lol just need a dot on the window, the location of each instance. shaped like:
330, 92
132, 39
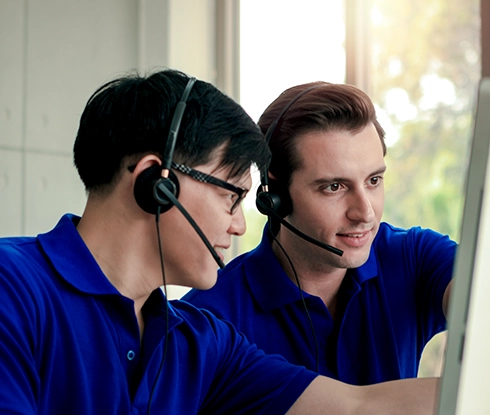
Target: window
421, 70
282, 45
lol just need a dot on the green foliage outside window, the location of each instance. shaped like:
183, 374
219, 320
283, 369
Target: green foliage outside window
426, 53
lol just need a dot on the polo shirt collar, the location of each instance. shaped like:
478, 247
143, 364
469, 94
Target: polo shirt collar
270, 285
367, 270
72, 259
75, 264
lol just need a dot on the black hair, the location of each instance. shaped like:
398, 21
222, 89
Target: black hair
130, 117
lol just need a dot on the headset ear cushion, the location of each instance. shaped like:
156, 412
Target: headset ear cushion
145, 192
280, 194
267, 202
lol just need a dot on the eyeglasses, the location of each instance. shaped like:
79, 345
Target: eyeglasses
240, 193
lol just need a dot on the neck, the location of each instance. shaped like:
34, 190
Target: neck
125, 248
316, 277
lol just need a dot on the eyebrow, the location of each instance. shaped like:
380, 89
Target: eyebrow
242, 186
324, 180
236, 181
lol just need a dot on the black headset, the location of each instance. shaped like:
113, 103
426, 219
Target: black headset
273, 199
148, 189
274, 196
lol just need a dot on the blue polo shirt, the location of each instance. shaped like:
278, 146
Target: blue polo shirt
70, 344
388, 309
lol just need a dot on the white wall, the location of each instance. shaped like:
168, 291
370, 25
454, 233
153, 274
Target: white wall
53, 55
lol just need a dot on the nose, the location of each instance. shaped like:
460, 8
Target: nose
361, 208
238, 225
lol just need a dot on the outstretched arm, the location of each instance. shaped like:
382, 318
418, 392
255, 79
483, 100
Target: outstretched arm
325, 396
446, 298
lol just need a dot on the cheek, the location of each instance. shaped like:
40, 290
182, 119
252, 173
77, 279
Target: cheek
316, 212
378, 203
210, 216
196, 204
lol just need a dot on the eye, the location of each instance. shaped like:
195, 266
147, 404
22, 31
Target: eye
332, 187
236, 201
376, 180
232, 199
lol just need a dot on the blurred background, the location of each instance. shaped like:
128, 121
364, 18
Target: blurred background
419, 60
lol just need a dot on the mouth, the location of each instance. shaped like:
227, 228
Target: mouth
355, 239
353, 235
220, 251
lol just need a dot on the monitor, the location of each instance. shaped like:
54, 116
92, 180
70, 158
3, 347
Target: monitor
463, 387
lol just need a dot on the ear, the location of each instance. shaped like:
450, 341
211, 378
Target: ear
145, 174
144, 163
271, 176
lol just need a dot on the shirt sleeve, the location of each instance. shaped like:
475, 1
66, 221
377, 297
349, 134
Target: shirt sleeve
18, 368
417, 266
434, 269
244, 379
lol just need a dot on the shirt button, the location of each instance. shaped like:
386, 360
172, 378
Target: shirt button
131, 355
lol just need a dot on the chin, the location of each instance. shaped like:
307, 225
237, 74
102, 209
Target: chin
204, 280
356, 261
203, 285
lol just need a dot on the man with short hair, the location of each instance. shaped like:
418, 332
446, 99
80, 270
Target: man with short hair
84, 325
364, 316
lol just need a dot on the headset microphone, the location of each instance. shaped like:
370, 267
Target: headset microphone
296, 231
160, 187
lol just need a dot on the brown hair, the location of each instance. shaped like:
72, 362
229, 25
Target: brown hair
324, 107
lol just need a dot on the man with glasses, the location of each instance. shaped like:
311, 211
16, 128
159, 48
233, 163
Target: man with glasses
84, 325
